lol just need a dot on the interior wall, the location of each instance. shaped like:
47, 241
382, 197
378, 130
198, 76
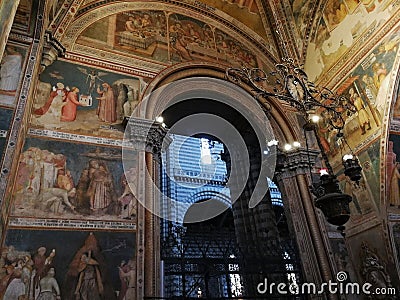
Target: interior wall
355, 46
361, 63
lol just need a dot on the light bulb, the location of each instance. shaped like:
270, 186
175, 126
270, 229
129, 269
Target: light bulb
323, 172
315, 118
287, 147
347, 157
272, 143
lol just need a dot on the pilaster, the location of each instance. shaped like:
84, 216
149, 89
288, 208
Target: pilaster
294, 184
147, 137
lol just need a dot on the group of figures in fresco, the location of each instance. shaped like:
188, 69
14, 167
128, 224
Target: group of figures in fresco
45, 183
173, 37
366, 89
114, 102
32, 276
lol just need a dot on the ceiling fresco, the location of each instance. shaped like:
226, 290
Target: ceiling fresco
344, 24
165, 37
245, 11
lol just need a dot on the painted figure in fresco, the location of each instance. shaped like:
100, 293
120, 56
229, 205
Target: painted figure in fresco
123, 268
64, 180
131, 103
127, 274
129, 25
335, 12
90, 286
10, 70
127, 199
101, 189
91, 78
68, 113
39, 264
82, 197
106, 110
396, 108
49, 289
16, 287
380, 73
146, 21
87, 278
361, 203
122, 99
6, 279
178, 43
54, 200
394, 196
39, 170
16, 278
362, 114
55, 102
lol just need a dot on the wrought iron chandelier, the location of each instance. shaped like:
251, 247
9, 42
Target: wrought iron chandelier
289, 83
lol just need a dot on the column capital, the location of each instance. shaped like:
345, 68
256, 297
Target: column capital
146, 135
299, 162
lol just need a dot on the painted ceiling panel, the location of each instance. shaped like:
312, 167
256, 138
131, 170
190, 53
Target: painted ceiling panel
165, 37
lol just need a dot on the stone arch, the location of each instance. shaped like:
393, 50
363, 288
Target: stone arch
206, 195
158, 96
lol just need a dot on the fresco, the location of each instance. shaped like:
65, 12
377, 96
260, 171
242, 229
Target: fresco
393, 173
366, 87
368, 253
84, 100
396, 239
245, 11
33, 259
72, 181
342, 259
396, 107
342, 23
167, 38
365, 197
11, 68
301, 9
5, 119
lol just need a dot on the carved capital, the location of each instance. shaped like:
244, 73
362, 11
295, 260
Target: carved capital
299, 162
146, 135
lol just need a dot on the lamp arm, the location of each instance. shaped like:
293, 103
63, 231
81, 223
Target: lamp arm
323, 153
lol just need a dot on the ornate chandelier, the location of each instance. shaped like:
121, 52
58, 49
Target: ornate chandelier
290, 84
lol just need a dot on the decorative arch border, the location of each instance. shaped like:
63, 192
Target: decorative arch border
207, 194
391, 98
284, 124
68, 36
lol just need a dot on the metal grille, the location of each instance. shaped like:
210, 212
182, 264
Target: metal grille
205, 261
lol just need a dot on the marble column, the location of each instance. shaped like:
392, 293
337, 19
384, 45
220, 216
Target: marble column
256, 230
147, 137
292, 176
